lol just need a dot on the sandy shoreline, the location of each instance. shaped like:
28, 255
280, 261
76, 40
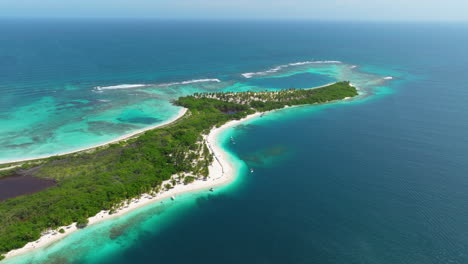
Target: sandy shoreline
220, 172
180, 114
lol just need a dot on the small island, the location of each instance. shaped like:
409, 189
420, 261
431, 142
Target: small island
157, 164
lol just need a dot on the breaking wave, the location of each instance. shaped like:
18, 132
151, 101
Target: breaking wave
133, 86
189, 82
278, 68
120, 86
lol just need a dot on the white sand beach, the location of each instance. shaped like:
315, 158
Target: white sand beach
220, 172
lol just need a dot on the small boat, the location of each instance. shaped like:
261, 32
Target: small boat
251, 170
211, 189
172, 197
232, 140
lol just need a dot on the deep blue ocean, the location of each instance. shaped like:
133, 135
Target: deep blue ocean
381, 179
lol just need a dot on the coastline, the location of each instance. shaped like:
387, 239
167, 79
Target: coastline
179, 115
221, 172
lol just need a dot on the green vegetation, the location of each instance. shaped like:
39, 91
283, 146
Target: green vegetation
5, 173
189, 179
82, 222
104, 179
265, 101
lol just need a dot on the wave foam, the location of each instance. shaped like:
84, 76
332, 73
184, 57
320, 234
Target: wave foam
278, 68
132, 86
120, 86
190, 82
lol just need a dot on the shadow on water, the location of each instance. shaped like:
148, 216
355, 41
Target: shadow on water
206, 200
244, 127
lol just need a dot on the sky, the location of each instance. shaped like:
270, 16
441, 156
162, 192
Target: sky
384, 10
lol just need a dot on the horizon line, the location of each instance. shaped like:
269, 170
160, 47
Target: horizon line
229, 19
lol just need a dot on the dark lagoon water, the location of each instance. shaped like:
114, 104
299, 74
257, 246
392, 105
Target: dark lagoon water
11, 187
381, 179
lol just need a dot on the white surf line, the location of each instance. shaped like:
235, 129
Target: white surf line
120, 86
138, 85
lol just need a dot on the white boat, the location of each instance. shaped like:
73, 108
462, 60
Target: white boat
251, 170
172, 197
211, 189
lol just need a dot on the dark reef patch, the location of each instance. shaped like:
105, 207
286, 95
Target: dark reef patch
14, 146
104, 127
140, 120
244, 127
266, 156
